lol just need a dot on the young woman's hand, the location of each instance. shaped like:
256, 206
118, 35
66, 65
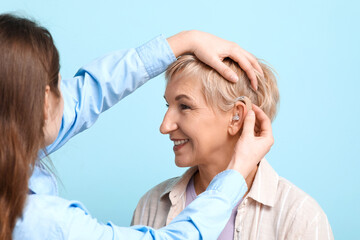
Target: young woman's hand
252, 145
212, 50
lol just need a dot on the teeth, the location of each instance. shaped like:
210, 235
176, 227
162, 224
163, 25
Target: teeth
179, 142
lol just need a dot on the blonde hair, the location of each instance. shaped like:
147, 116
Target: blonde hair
222, 94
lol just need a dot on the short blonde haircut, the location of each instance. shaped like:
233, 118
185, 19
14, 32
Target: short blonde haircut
221, 93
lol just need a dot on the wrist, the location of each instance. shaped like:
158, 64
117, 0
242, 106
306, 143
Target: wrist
240, 166
183, 42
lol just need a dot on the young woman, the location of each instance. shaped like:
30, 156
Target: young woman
204, 120
38, 109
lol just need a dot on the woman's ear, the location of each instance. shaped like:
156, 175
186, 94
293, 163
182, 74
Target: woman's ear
47, 103
237, 118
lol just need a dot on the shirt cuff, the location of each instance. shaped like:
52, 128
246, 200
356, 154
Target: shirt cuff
231, 183
156, 55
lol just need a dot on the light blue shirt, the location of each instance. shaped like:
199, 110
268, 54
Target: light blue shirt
95, 88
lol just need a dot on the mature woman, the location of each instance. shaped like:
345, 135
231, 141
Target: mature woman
204, 120
37, 109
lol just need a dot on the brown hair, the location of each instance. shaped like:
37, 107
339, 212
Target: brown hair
29, 61
222, 94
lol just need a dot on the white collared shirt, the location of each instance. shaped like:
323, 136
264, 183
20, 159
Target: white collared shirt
273, 209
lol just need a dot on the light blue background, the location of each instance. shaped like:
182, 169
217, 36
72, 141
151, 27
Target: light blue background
314, 47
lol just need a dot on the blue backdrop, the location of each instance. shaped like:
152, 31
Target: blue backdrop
314, 47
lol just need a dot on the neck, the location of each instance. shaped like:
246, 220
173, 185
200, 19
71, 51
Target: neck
206, 172
203, 178
212, 167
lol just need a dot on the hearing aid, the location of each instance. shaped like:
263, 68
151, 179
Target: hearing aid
246, 101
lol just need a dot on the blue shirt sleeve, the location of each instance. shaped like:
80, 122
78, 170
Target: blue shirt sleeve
51, 217
99, 85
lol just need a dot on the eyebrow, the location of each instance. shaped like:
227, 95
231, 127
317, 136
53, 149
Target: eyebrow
178, 97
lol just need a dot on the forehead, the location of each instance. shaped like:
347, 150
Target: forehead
184, 84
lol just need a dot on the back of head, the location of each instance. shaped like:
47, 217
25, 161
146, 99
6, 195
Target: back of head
220, 93
29, 61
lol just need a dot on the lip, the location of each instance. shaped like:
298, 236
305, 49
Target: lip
178, 147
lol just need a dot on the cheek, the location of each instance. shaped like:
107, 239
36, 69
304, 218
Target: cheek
207, 137
203, 148
210, 139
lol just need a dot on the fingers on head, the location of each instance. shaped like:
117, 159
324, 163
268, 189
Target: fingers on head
226, 72
246, 64
252, 59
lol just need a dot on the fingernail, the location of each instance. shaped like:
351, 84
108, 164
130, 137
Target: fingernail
254, 89
251, 112
234, 78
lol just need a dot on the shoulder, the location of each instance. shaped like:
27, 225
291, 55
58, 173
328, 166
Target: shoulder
299, 212
293, 197
281, 195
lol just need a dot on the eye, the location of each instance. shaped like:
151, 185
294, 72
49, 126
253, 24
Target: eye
184, 107
167, 105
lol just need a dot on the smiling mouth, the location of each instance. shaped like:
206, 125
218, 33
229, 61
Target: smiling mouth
179, 144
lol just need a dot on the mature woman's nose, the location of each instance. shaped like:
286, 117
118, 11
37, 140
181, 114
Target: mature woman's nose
167, 125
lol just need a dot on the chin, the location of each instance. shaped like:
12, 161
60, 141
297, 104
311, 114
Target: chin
182, 163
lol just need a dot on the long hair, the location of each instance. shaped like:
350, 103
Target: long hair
29, 61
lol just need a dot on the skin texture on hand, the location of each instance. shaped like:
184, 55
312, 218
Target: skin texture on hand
212, 50
252, 145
